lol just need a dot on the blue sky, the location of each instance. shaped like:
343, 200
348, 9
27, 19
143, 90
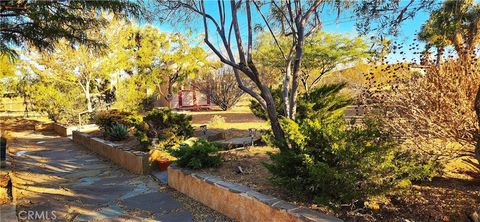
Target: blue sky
344, 24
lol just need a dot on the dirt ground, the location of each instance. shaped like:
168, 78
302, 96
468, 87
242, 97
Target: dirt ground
451, 198
202, 118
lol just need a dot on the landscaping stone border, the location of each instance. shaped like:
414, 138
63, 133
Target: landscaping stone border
134, 161
237, 201
65, 131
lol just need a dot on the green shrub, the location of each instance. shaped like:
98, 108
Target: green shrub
258, 111
140, 132
168, 127
200, 154
117, 132
329, 161
323, 100
148, 103
107, 119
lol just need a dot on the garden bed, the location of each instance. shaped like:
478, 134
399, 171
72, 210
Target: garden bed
63, 130
451, 198
128, 154
132, 160
236, 201
129, 143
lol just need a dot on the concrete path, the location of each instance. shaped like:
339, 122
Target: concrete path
57, 179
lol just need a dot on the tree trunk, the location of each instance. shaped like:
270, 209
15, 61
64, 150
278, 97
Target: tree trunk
297, 63
88, 96
25, 104
286, 84
277, 130
169, 96
425, 56
440, 51
464, 53
477, 111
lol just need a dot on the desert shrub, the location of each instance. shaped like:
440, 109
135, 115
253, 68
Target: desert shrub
221, 87
148, 103
142, 137
334, 163
216, 121
325, 100
429, 110
200, 154
117, 132
258, 111
167, 127
107, 119
330, 161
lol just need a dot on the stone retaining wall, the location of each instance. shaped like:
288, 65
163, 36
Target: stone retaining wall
134, 161
67, 130
237, 201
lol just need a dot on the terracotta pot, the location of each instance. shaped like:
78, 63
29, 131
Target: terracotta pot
163, 164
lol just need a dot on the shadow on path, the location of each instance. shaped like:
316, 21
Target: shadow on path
60, 180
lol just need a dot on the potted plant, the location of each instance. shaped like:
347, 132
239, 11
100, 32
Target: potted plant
163, 159
163, 163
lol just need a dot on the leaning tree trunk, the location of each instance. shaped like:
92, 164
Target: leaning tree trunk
477, 111
272, 113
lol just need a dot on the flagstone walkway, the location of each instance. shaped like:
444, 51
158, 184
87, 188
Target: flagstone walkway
60, 179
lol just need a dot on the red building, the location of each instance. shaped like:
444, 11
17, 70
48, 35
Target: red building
187, 99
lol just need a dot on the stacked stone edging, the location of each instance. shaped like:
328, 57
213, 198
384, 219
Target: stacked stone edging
237, 201
134, 161
61, 129
65, 131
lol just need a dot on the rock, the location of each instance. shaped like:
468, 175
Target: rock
155, 201
240, 170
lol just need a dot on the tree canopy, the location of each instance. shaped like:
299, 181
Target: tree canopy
323, 53
292, 19
42, 23
456, 23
